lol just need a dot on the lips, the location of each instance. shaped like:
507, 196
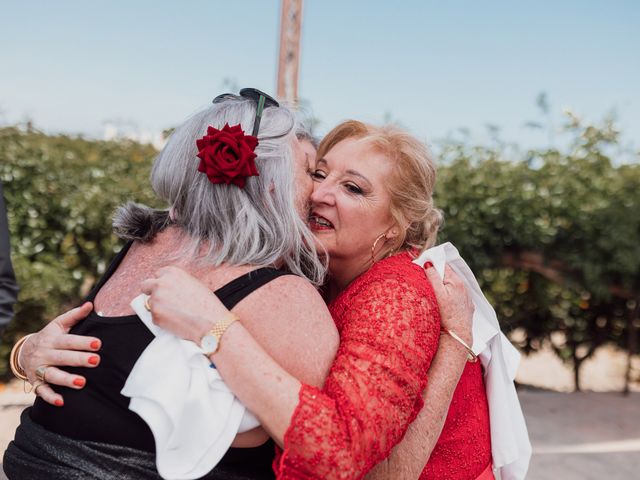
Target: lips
318, 222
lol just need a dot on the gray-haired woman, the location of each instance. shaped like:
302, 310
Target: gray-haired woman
235, 226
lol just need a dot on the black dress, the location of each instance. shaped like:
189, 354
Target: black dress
95, 435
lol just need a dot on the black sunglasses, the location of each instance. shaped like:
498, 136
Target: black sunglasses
262, 100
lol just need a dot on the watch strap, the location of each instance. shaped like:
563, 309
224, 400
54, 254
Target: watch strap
220, 328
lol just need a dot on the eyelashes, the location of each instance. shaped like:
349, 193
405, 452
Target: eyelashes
317, 174
352, 188
356, 190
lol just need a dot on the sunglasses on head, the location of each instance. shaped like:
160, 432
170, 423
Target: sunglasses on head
262, 101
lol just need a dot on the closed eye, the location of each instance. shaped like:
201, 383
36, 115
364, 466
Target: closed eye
318, 175
353, 188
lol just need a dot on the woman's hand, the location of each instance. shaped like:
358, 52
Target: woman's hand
456, 307
53, 345
182, 304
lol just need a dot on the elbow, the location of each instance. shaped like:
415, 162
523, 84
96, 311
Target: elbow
325, 355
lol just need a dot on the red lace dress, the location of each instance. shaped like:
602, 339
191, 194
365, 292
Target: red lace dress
389, 325
463, 450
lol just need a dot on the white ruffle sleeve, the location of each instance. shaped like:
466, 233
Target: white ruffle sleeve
191, 412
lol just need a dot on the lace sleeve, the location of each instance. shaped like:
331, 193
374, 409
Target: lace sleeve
373, 391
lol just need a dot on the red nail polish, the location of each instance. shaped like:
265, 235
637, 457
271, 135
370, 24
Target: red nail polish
427, 265
94, 359
95, 345
79, 382
59, 403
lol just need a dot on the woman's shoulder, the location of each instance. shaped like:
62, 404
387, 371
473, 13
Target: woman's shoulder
288, 317
392, 298
400, 263
395, 278
395, 272
290, 299
293, 290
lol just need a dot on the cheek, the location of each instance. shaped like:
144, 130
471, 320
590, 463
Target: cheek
304, 188
304, 183
367, 222
308, 186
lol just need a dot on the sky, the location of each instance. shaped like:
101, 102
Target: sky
84, 67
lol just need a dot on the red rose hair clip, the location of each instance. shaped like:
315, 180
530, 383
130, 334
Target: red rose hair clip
227, 155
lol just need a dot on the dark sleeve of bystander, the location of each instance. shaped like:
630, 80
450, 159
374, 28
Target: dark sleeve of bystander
8, 285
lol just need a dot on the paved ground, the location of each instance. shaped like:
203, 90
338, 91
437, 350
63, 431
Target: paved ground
583, 436
576, 436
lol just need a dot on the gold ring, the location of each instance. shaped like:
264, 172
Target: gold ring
37, 385
32, 386
147, 303
41, 371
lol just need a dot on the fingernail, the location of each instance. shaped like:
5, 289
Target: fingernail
427, 265
58, 403
79, 382
94, 359
95, 345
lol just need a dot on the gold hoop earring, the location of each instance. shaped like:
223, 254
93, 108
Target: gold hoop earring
373, 248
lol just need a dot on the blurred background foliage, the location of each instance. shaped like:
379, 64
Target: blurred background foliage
553, 235
61, 192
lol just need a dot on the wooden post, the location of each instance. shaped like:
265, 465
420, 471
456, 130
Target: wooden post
289, 59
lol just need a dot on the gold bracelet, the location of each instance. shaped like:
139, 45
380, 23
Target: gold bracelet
13, 359
471, 357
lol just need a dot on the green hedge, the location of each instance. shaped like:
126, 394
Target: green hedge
553, 236
61, 192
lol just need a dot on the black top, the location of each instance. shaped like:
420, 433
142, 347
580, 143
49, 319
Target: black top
98, 412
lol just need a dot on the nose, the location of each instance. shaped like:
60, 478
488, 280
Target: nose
323, 193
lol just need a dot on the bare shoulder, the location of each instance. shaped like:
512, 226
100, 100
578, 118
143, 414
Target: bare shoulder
289, 318
293, 292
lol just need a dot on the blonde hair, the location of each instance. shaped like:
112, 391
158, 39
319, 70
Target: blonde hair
411, 183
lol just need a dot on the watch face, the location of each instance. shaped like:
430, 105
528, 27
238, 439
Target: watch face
209, 344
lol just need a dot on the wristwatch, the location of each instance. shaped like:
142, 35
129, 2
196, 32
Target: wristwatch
210, 341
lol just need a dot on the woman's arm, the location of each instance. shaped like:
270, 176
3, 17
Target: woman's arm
54, 345
409, 457
286, 337
389, 337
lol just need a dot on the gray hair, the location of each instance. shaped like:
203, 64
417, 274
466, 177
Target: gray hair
255, 225
303, 133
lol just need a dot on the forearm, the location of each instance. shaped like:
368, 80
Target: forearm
263, 359
409, 457
265, 388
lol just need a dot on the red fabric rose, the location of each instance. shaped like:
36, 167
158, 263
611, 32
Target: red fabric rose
227, 155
